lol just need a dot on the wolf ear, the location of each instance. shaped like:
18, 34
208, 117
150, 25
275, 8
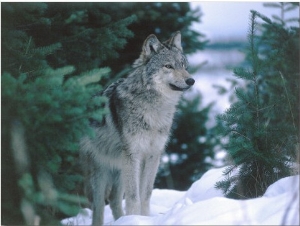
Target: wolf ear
151, 44
175, 41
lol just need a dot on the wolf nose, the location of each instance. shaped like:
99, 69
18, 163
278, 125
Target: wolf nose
190, 81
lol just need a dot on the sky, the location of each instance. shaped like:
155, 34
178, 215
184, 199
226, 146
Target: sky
230, 20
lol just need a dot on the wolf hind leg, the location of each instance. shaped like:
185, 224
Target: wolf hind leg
115, 198
147, 178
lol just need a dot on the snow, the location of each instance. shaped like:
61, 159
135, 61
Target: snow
202, 204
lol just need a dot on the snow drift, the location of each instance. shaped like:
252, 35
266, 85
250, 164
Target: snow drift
202, 204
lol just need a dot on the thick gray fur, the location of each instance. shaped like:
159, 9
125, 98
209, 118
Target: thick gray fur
123, 158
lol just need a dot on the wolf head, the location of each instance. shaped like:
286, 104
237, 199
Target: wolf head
165, 63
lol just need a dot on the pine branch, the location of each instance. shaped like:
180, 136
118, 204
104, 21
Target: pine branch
26, 51
92, 76
287, 96
254, 59
46, 50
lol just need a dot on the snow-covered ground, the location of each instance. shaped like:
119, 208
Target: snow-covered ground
202, 204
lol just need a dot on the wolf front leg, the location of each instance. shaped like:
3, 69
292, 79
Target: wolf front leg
99, 182
131, 181
147, 178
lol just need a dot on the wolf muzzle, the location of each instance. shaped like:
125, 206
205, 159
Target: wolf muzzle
189, 82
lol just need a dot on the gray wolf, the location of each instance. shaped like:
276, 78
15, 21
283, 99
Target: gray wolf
123, 157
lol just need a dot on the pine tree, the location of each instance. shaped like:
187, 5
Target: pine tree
45, 112
263, 124
52, 121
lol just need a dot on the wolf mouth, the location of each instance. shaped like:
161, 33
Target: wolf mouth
176, 88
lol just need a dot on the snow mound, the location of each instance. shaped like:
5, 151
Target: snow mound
202, 204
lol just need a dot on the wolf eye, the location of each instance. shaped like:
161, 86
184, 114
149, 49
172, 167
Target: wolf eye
169, 66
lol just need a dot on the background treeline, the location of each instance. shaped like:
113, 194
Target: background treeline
55, 57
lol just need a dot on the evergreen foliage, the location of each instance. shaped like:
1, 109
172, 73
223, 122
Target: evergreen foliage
83, 33
55, 57
53, 122
263, 124
45, 112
